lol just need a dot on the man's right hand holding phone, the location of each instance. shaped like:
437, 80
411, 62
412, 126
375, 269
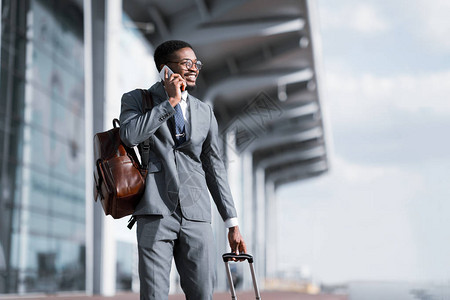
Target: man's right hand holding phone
174, 85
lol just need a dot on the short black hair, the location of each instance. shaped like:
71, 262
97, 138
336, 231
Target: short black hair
164, 51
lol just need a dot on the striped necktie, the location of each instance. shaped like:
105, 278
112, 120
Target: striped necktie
180, 133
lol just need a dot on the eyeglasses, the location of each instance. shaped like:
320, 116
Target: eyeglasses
189, 64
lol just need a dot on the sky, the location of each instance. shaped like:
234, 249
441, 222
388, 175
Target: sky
382, 212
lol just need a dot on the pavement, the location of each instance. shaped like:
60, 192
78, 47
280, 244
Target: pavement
265, 295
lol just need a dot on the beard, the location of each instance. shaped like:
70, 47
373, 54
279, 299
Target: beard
191, 88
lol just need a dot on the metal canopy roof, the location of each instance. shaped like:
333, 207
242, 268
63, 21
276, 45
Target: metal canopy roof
248, 48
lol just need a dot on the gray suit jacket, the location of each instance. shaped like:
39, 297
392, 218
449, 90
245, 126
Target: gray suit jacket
177, 174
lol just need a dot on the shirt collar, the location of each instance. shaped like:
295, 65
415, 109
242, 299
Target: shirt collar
184, 95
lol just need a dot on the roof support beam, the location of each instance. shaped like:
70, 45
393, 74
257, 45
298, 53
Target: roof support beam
273, 141
286, 114
297, 171
161, 25
240, 84
231, 32
293, 156
203, 9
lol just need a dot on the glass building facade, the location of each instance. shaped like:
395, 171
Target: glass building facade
44, 231
42, 213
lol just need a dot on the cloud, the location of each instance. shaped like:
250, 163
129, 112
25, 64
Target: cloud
354, 184
352, 98
399, 119
435, 21
356, 218
362, 18
358, 187
366, 19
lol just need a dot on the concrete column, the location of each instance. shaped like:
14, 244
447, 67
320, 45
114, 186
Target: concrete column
88, 125
1, 26
113, 84
103, 242
260, 224
247, 218
271, 230
106, 286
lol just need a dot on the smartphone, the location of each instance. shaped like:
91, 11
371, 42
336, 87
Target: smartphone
163, 72
169, 73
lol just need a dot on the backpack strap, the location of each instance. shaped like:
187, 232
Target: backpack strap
147, 104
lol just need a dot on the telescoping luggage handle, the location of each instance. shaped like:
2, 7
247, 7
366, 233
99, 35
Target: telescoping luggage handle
230, 256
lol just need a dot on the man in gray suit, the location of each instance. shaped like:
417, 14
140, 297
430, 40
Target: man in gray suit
174, 215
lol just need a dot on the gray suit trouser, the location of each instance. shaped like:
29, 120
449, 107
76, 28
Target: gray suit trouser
190, 243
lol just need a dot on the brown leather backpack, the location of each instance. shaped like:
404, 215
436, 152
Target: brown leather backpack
119, 178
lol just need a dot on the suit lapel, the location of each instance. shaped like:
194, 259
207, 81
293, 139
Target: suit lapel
193, 110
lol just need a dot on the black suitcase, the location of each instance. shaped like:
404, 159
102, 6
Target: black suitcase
229, 256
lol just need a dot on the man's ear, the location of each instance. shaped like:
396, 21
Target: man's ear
160, 67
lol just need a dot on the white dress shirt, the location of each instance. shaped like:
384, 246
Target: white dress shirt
185, 109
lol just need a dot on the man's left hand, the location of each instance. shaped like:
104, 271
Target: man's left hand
236, 241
